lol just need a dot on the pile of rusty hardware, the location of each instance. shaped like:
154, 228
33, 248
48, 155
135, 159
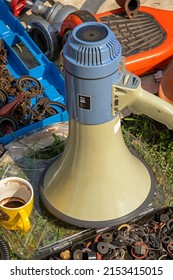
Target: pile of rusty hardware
22, 100
148, 239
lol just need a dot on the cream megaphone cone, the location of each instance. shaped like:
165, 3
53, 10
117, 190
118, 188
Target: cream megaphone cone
97, 181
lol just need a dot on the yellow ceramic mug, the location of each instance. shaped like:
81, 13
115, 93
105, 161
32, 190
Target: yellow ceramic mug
16, 203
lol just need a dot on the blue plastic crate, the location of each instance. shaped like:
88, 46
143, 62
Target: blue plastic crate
16, 41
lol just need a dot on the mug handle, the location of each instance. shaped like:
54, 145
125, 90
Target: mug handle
25, 221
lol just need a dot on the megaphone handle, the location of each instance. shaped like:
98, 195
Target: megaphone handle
153, 107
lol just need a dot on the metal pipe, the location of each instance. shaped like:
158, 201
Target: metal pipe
130, 6
45, 32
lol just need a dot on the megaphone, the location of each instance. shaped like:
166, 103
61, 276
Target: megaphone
98, 181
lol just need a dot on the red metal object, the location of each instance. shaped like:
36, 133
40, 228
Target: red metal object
145, 61
17, 7
5, 110
73, 20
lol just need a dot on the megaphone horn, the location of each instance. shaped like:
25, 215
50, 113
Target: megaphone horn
97, 181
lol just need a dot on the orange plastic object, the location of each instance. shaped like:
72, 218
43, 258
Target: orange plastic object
146, 61
166, 85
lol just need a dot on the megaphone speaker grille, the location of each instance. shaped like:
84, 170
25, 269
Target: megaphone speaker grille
92, 33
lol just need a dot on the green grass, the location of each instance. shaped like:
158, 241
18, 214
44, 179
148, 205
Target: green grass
156, 137
48, 152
